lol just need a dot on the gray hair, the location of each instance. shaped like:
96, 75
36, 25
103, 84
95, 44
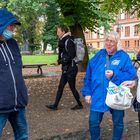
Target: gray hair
117, 38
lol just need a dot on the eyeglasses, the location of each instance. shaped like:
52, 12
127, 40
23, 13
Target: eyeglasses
111, 41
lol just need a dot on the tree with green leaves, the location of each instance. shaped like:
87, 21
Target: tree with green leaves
3, 3
80, 15
29, 13
52, 20
118, 6
115, 6
133, 6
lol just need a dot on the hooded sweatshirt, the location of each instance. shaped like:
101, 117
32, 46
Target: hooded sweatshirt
13, 92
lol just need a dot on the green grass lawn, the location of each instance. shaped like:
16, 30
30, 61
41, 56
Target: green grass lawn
32, 59
48, 59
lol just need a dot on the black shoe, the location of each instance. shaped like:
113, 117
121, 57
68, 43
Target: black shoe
77, 107
52, 107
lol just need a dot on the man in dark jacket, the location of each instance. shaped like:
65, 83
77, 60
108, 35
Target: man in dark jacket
67, 53
13, 92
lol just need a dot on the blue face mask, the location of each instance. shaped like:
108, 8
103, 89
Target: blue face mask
7, 34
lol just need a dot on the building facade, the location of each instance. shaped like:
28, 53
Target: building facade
128, 28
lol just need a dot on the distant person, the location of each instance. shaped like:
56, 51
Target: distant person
13, 92
138, 55
109, 64
69, 68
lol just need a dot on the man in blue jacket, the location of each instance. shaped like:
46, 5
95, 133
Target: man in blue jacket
13, 92
108, 64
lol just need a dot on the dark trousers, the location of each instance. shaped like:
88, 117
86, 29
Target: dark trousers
71, 79
139, 121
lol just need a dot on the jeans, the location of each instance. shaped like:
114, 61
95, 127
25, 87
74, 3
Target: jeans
18, 122
95, 120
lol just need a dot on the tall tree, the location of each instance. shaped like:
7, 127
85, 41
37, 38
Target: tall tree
84, 14
115, 6
29, 13
52, 20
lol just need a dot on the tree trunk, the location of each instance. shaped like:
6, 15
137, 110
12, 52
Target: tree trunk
77, 31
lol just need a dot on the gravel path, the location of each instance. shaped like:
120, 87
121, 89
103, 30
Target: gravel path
44, 123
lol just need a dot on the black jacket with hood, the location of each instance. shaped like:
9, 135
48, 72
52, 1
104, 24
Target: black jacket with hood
66, 54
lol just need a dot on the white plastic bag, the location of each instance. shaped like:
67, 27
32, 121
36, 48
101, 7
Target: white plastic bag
118, 97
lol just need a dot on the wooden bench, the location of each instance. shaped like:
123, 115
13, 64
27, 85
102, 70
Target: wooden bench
38, 66
136, 62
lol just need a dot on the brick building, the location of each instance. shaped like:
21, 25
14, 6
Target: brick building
126, 26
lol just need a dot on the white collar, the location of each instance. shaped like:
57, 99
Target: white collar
66, 34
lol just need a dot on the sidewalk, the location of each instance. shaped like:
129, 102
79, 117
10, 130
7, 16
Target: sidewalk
63, 124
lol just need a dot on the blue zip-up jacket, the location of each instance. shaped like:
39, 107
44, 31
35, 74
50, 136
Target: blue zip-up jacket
95, 81
13, 92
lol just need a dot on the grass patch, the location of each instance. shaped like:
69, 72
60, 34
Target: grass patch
33, 59
49, 58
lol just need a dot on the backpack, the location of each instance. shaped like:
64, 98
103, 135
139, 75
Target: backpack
80, 50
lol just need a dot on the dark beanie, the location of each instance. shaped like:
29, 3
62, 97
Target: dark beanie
7, 18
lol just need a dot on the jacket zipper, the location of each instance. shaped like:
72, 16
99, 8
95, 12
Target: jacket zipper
12, 74
3, 55
10, 53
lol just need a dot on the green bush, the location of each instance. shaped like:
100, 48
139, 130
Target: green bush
92, 50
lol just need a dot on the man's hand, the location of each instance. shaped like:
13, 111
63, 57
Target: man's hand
88, 99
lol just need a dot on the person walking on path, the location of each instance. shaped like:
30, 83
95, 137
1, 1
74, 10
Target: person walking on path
13, 92
109, 64
66, 57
